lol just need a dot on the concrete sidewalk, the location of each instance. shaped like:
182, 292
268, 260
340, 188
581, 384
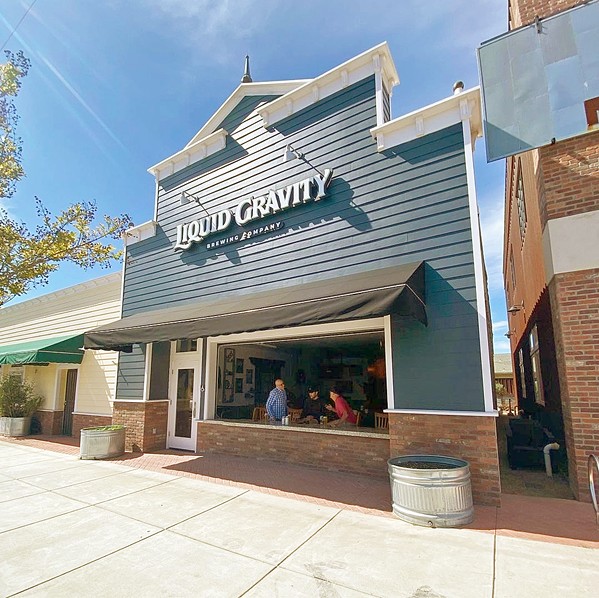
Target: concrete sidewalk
127, 528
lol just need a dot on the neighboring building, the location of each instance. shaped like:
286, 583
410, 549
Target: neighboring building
41, 341
304, 234
551, 247
504, 376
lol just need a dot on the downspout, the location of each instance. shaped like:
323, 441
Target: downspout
553, 446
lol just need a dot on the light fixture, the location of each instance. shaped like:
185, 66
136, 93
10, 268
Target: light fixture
185, 198
514, 309
291, 153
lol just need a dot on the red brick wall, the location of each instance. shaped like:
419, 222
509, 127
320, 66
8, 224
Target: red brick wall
465, 437
334, 452
525, 11
50, 422
146, 424
575, 304
570, 177
87, 421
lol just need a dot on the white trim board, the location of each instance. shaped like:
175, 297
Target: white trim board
444, 413
376, 61
435, 117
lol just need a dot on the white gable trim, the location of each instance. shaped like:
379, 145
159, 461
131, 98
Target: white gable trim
140, 232
190, 154
376, 61
207, 140
266, 88
429, 119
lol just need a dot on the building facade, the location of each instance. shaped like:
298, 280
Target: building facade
551, 272
304, 234
41, 342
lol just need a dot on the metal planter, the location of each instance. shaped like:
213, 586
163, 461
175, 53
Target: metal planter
431, 490
101, 444
15, 426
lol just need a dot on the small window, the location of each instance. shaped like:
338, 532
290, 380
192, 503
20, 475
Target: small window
591, 109
187, 345
512, 270
535, 359
522, 375
521, 202
17, 371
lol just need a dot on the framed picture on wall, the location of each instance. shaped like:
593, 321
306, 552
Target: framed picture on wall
238, 385
249, 376
239, 366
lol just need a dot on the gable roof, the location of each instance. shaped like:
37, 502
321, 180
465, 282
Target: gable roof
291, 97
210, 138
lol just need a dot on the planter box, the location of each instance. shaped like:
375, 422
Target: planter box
15, 426
101, 444
431, 490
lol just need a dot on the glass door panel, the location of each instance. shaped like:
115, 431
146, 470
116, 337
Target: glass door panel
184, 395
184, 402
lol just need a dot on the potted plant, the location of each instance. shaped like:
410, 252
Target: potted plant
102, 442
18, 402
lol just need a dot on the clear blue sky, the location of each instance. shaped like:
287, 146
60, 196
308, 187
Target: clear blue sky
118, 85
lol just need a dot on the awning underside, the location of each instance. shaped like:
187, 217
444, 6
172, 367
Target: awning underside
62, 349
397, 291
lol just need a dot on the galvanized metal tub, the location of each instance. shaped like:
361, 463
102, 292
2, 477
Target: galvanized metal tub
431, 490
101, 444
15, 426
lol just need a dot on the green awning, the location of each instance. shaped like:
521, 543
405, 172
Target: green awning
60, 349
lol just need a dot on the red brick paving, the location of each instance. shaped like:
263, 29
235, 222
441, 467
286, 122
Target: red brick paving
543, 519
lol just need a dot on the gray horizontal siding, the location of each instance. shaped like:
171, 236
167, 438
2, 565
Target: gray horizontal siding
383, 209
130, 378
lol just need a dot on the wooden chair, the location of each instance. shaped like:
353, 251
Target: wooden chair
259, 414
381, 420
294, 414
358, 415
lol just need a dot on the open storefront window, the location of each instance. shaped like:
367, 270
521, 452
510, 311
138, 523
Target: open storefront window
352, 362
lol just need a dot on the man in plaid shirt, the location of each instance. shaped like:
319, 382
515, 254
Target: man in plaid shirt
276, 404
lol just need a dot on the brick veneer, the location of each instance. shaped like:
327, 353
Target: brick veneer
570, 171
525, 11
146, 423
575, 307
87, 421
331, 451
471, 438
50, 422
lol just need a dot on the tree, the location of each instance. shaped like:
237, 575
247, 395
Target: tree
28, 257
11, 74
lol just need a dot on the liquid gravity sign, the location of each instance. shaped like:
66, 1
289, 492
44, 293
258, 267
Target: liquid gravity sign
251, 209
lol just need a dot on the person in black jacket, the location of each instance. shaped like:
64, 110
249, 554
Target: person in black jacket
313, 406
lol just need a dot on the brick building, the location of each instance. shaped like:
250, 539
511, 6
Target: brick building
551, 273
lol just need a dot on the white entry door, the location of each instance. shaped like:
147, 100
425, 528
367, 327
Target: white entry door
184, 394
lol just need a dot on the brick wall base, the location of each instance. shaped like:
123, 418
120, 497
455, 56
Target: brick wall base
332, 451
575, 312
50, 422
473, 439
87, 421
146, 424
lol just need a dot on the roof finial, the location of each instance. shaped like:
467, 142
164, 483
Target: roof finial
247, 78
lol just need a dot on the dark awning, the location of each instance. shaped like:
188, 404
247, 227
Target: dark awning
398, 290
61, 349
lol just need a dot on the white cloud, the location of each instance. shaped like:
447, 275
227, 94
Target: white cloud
213, 29
499, 326
501, 345
491, 223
